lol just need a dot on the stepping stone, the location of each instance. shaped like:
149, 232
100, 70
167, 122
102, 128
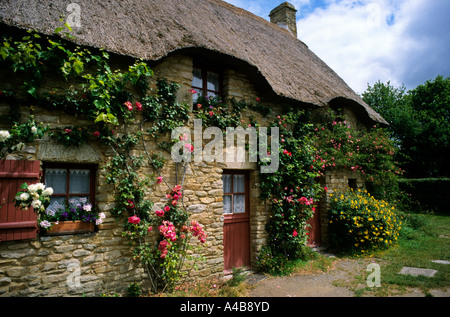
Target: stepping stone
417, 271
441, 261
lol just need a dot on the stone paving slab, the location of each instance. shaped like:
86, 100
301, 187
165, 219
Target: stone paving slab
417, 271
441, 261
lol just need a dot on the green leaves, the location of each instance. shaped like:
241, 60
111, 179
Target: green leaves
419, 123
291, 190
106, 118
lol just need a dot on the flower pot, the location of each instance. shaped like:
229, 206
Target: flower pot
70, 227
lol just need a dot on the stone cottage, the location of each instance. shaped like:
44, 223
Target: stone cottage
207, 45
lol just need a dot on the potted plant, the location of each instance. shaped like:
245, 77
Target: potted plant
54, 218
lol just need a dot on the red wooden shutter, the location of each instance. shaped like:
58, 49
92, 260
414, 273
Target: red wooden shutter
16, 224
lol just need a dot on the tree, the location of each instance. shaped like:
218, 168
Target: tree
431, 102
418, 122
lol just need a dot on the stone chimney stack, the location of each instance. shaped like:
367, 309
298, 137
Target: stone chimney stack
284, 16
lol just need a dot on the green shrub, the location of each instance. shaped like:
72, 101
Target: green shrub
134, 290
427, 194
360, 223
273, 264
279, 263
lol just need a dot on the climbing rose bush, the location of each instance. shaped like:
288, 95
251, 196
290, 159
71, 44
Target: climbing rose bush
291, 191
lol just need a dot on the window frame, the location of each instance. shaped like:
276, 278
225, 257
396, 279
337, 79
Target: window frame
70, 166
246, 192
205, 68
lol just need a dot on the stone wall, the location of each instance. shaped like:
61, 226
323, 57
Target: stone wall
91, 264
70, 265
336, 181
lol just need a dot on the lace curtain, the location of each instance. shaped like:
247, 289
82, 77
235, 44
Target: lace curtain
232, 185
79, 182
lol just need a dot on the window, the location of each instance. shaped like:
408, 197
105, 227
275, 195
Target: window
235, 192
205, 82
70, 182
352, 183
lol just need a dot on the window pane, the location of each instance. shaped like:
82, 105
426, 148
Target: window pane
56, 178
238, 184
79, 181
197, 79
213, 81
226, 178
227, 204
239, 204
211, 94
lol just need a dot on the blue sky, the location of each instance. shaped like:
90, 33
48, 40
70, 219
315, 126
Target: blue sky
401, 41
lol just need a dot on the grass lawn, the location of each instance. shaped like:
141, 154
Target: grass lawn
426, 238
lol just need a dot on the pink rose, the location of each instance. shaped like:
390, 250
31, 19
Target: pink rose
294, 234
167, 208
159, 213
189, 147
138, 106
159, 180
134, 220
129, 105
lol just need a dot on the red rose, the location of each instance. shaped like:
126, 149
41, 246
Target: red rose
129, 105
134, 220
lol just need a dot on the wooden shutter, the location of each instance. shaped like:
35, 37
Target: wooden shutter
16, 224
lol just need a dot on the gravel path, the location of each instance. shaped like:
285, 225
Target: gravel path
314, 285
343, 272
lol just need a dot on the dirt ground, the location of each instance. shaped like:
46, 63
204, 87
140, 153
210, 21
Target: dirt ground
341, 280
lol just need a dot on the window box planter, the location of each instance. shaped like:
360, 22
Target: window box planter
70, 227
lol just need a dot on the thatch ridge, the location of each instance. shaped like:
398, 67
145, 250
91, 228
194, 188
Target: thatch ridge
151, 29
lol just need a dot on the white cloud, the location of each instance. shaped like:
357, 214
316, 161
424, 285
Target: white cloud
369, 40
363, 41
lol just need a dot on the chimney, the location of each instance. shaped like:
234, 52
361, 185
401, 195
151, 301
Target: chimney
284, 16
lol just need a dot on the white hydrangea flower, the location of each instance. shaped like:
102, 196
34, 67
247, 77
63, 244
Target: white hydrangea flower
4, 135
32, 188
48, 191
36, 204
24, 196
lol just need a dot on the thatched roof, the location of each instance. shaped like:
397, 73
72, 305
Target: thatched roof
151, 29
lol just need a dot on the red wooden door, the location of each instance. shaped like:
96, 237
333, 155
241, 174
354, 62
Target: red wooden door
236, 229
16, 224
314, 230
